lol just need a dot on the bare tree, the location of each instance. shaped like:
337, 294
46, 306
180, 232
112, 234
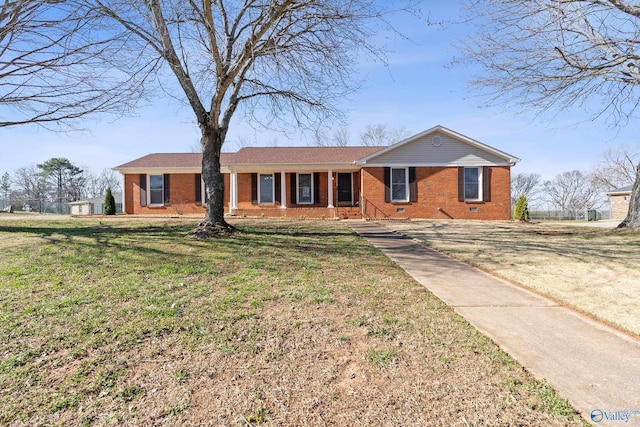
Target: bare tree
555, 54
29, 185
374, 135
195, 147
573, 193
339, 138
96, 185
276, 62
617, 168
244, 141
57, 65
527, 184
381, 134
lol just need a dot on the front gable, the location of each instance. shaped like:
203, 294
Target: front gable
439, 146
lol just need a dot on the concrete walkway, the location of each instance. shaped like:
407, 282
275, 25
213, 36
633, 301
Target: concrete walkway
596, 368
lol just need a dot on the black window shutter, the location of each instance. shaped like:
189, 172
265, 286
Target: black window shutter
461, 184
486, 184
165, 184
254, 188
412, 185
294, 189
198, 186
277, 184
143, 190
316, 188
387, 184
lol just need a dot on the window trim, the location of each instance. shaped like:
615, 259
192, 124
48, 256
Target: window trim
479, 183
273, 189
150, 190
311, 187
406, 185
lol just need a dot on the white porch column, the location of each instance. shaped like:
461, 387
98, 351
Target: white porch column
330, 192
124, 192
283, 190
234, 191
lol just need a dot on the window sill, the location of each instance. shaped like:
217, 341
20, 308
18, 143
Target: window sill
402, 202
475, 202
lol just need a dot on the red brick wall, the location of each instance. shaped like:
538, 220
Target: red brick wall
131, 193
437, 196
182, 196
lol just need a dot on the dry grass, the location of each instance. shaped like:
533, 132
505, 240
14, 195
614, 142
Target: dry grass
594, 270
290, 323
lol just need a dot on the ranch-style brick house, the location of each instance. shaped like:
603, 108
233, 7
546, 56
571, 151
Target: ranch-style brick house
438, 173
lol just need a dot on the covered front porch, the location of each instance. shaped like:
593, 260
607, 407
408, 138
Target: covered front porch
300, 193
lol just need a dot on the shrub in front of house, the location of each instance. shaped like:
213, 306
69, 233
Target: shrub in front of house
109, 203
521, 210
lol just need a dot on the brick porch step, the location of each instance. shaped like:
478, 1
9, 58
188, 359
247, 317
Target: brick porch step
349, 213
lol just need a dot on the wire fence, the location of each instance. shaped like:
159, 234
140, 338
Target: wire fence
43, 206
589, 215
40, 206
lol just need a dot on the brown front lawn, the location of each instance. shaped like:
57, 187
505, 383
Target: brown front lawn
128, 322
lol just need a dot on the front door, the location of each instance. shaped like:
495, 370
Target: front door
345, 189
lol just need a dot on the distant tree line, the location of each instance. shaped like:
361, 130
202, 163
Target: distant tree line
373, 135
56, 181
571, 193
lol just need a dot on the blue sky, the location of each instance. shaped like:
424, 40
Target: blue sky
417, 90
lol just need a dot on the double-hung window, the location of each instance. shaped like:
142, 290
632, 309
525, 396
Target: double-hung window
266, 188
399, 184
305, 188
473, 184
156, 190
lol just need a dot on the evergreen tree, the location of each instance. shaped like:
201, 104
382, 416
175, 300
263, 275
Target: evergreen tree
521, 210
109, 203
66, 179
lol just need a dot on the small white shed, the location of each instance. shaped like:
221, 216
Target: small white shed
94, 206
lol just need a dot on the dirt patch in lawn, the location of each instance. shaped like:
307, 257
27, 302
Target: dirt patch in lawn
594, 270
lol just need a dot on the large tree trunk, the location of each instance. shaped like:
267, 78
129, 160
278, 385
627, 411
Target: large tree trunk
214, 223
633, 217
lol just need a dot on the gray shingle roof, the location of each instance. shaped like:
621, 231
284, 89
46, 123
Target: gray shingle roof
622, 190
165, 160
